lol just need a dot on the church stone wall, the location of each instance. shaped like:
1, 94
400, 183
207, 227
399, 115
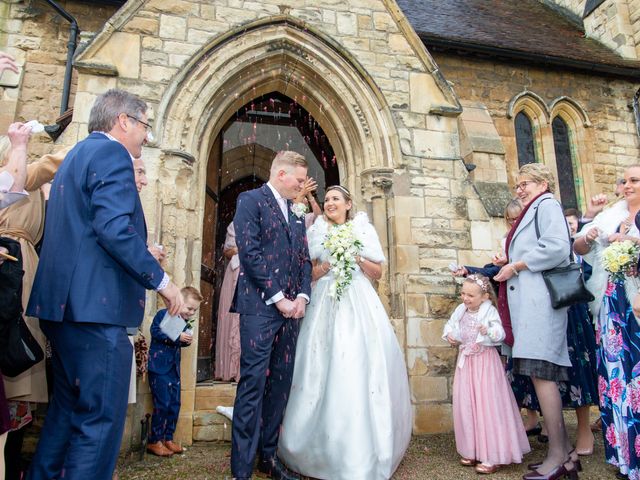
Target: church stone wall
416, 195
613, 24
614, 143
576, 7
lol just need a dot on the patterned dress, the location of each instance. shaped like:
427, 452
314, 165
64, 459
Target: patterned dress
582, 388
618, 336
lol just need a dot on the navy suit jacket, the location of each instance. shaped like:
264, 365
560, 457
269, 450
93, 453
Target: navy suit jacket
94, 264
164, 352
273, 253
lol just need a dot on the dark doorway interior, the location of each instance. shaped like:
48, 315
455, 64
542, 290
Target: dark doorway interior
240, 160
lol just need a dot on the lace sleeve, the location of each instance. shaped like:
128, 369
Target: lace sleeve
366, 233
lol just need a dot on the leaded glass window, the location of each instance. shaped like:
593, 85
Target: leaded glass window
564, 163
524, 140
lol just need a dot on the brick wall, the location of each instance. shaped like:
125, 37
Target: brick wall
37, 36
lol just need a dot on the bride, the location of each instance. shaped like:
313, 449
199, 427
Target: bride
349, 415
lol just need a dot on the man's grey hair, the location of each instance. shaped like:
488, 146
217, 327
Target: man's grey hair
109, 105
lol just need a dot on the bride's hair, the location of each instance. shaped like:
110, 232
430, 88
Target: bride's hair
345, 194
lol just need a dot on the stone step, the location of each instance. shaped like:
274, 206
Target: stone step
212, 395
210, 426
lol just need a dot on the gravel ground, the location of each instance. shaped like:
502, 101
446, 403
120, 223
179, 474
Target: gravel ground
429, 457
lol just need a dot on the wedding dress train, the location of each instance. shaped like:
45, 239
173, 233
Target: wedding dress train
349, 413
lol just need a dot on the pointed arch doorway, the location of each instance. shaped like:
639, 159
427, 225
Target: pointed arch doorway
239, 160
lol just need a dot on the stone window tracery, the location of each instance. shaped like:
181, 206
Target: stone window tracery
558, 135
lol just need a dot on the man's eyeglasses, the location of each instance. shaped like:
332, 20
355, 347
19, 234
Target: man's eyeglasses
147, 126
522, 185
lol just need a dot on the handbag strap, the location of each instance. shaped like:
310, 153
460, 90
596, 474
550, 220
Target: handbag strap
571, 257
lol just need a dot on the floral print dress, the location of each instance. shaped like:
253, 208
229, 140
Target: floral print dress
618, 337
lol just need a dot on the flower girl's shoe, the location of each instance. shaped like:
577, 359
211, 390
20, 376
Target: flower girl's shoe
486, 469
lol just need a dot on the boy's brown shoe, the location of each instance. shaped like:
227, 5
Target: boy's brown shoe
159, 449
174, 447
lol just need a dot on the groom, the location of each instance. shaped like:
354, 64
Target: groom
271, 296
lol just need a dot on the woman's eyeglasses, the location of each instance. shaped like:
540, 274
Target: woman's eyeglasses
522, 185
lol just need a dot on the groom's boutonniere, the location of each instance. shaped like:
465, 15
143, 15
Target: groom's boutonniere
299, 209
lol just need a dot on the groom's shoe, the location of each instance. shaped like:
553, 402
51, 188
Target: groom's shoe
275, 469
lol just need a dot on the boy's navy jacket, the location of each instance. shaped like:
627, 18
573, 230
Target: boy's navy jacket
164, 353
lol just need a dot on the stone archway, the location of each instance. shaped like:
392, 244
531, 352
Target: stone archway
281, 56
271, 56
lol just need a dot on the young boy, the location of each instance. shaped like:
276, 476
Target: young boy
164, 377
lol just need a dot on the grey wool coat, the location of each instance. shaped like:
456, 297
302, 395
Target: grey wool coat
539, 331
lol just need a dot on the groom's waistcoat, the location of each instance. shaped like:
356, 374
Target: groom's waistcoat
273, 253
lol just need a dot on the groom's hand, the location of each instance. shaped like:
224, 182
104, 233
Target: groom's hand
286, 307
301, 305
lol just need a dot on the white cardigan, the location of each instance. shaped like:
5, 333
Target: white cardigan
487, 316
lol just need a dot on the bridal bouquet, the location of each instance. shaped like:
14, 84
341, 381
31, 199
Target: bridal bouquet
619, 257
343, 249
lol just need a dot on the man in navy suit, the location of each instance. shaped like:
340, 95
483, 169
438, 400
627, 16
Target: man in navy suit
89, 287
271, 296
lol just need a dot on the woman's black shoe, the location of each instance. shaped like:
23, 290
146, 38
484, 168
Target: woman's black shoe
542, 438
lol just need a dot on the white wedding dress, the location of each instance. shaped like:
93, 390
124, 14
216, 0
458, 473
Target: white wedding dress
349, 414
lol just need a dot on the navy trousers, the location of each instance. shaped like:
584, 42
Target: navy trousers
268, 350
83, 429
165, 391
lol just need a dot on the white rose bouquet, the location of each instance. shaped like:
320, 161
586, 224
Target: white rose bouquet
619, 257
343, 249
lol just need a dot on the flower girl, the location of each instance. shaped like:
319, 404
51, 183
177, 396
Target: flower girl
487, 423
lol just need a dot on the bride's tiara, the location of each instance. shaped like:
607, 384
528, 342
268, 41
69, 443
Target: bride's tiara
341, 188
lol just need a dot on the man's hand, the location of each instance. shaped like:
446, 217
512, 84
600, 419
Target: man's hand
301, 305
8, 62
186, 338
286, 307
172, 298
157, 252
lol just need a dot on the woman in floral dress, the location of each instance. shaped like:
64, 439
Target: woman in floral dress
617, 331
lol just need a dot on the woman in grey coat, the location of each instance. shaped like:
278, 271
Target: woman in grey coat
539, 331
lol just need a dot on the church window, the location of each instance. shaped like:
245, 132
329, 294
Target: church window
524, 139
564, 163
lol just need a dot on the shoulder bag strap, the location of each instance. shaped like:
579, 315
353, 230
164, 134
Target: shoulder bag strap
565, 224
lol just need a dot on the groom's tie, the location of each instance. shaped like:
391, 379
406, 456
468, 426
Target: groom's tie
284, 208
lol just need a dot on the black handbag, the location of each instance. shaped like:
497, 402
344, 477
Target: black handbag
19, 350
565, 284
22, 352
